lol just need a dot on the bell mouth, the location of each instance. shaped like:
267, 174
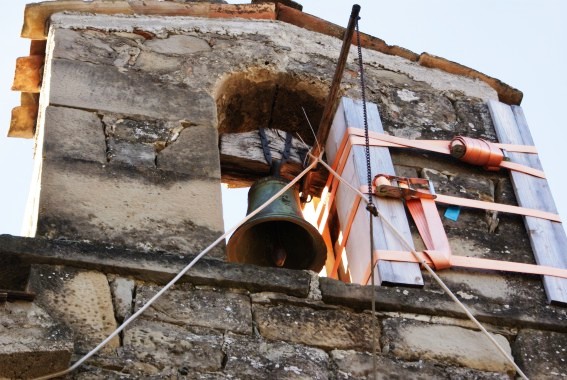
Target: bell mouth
263, 241
277, 236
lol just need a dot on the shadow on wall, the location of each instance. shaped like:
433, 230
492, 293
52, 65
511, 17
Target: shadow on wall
262, 99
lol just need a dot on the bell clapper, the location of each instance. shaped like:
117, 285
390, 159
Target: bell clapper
278, 253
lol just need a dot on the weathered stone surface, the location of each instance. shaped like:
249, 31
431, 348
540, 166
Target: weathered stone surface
327, 329
140, 130
79, 299
157, 63
505, 300
73, 133
157, 348
13, 273
89, 372
90, 45
473, 119
461, 185
139, 155
359, 365
186, 306
147, 209
178, 44
122, 290
154, 267
541, 354
416, 113
84, 85
32, 343
251, 358
412, 340
187, 154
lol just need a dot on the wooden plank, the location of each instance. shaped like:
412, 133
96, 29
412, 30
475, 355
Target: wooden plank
242, 158
547, 238
349, 114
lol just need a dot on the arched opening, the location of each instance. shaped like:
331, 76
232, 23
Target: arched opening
277, 102
254, 99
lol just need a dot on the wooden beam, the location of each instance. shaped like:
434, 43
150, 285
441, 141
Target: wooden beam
242, 158
349, 114
547, 238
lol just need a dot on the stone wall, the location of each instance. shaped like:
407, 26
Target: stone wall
240, 321
131, 110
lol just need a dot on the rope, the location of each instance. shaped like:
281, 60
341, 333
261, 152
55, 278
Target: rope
179, 275
432, 273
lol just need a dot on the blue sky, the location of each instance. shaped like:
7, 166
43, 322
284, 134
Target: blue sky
523, 43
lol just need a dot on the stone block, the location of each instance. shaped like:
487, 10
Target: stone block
251, 358
32, 343
417, 113
105, 88
122, 290
475, 187
157, 63
155, 348
153, 266
194, 152
542, 354
147, 209
84, 45
474, 119
140, 130
89, 372
134, 154
178, 44
327, 329
450, 345
13, 273
186, 306
74, 134
79, 299
359, 365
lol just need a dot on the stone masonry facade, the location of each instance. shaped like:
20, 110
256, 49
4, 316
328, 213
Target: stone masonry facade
131, 110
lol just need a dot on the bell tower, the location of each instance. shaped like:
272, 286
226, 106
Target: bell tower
141, 109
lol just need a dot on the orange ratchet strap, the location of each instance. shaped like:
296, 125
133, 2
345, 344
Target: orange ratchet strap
414, 188
473, 151
431, 258
421, 205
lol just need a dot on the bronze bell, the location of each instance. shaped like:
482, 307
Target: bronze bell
278, 235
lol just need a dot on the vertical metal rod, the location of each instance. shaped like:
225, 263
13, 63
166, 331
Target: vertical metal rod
330, 104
